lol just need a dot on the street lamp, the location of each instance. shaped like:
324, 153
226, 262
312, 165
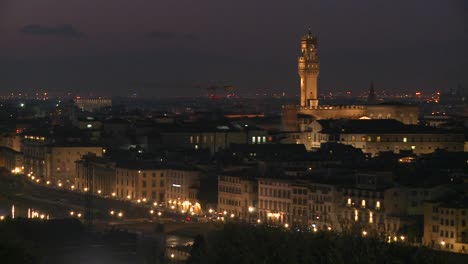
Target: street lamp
85, 189
79, 215
151, 211
114, 194
159, 213
72, 213
112, 212
60, 184
128, 197
364, 233
286, 225
120, 214
99, 191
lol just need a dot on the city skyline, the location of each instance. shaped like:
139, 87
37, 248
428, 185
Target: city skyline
69, 47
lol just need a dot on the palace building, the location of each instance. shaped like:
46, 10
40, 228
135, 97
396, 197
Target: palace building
310, 109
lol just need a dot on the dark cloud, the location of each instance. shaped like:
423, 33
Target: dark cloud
191, 36
161, 35
171, 35
66, 30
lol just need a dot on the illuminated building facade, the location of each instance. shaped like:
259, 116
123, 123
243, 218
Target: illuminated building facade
182, 188
446, 225
140, 181
237, 195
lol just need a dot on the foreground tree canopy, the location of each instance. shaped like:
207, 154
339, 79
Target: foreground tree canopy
247, 244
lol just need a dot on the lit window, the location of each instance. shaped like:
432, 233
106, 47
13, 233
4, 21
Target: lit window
196, 146
356, 215
405, 139
89, 125
264, 139
191, 139
363, 203
371, 217
253, 139
377, 205
413, 147
349, 201
259, 139
378, 139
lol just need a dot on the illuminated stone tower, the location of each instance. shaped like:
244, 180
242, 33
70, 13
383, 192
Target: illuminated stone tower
309, 69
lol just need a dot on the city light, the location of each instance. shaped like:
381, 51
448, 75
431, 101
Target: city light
364, 233
72, 213
79, 215
159, 213
151, 211
112, 212
120, 214
99, 191
286, 225
114, 194
128, 197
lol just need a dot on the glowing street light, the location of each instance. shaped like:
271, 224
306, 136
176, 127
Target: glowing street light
151, 211
155, 204
144, 200
402, 238
128, 197
251, 209
159, 213
99, 191
364, 233
112, 212
259, 221
85, 189
210, 211
47, 182
232, 215
60, 184
72, 213
73, 187
172, 255
114, 194
79, 215
120, 214
286, 225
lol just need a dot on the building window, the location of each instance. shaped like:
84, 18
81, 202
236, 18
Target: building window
378, 139
405, 139
253, 139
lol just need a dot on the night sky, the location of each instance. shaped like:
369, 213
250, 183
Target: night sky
175, 48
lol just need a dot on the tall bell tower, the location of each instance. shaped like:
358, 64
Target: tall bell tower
309, 69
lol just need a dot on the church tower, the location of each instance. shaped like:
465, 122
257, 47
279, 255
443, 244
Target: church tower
309, 68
